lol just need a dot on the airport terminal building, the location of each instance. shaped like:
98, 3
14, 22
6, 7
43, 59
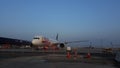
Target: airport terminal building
13, 43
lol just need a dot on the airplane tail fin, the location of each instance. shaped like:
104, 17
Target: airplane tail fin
57, 37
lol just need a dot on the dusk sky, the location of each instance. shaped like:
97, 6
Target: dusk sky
71, 19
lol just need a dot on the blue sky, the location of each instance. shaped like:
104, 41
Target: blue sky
71, 19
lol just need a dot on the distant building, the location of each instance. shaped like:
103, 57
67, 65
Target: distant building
9, 42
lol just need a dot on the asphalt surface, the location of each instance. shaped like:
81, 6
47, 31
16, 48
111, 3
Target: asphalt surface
39, 62
28, 58
31, 52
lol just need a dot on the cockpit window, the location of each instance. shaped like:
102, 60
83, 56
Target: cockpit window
36, 38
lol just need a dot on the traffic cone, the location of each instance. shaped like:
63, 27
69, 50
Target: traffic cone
68, 55
88, 55
75, 54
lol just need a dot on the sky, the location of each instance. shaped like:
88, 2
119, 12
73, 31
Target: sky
71, 19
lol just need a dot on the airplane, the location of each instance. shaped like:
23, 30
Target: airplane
41, 42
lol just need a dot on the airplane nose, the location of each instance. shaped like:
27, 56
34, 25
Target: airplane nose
34, 42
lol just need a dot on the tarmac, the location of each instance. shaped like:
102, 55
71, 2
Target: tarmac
27, 58
41, 61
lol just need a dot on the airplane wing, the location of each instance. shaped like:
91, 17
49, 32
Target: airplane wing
75, 41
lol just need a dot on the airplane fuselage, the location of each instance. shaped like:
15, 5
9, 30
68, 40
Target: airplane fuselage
43, 42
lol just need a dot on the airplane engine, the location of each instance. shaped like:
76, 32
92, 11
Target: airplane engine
62, 45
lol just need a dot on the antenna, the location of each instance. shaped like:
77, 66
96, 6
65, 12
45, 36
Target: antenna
111, 43
57, 37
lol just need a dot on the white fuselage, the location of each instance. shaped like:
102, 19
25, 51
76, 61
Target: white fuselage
40, 41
